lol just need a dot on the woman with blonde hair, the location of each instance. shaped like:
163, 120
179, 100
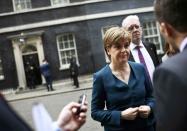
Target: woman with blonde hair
122, 93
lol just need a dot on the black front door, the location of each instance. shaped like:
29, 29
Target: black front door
32, 70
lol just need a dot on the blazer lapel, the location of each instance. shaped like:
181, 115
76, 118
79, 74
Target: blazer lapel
132, 79
150, 49
112, 80
131, 58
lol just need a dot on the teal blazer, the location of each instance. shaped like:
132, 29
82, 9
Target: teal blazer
117, 96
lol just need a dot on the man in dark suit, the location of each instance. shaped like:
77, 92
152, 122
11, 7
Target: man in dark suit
67, 120
147, 49
74, 71
170, 78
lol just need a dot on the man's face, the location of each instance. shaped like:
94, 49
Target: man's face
135, 28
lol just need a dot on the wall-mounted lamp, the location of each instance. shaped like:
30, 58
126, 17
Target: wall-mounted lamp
22, 38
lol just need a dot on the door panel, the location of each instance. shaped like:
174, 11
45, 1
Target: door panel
32, 70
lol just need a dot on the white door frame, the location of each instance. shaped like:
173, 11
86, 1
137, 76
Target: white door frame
36, 40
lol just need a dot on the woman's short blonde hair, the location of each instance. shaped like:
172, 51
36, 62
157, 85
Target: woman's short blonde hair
114, 35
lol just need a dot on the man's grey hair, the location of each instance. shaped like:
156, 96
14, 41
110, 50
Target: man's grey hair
129, 18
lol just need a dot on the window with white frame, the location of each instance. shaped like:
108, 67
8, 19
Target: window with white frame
1, 70
20, 5
66, 49
104, 29
152, 34
59, 2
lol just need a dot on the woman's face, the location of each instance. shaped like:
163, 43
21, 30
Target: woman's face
119, 52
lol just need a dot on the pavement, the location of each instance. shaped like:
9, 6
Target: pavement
61, 86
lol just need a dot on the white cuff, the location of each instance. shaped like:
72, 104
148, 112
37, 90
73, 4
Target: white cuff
56, 127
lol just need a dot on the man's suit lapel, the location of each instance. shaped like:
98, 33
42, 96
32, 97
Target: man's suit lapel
152, 53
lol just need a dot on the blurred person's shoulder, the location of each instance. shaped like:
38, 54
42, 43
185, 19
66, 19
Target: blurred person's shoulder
176, 63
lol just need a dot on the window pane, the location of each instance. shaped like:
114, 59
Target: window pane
18, 7
63, 61
62, 54
55, 2
28, 48
145, 32
22, 4
144, 26
68, 53
60, 39
66, 44
149, 24
150, 32
155, 31
28, 5
58, 2
71, 44
61, 46
65, 38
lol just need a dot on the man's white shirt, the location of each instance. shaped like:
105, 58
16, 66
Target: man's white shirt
147, 57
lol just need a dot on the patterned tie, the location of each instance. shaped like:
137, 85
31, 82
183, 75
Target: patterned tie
141, 58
